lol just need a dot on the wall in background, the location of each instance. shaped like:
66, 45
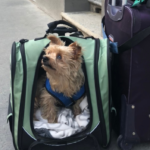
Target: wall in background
55, 7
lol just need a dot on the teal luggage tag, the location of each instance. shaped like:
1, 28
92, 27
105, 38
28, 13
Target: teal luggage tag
137, 2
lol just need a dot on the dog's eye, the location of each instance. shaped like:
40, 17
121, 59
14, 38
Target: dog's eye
58, 56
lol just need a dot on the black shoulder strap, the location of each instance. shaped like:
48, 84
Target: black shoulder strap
136, 39
139, 37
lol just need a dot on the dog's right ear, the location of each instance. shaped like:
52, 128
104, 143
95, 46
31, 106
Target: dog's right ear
55, 40
76, 49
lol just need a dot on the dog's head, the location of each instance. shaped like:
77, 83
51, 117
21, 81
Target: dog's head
60, 59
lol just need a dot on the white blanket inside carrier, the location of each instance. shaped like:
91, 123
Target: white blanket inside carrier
67, 124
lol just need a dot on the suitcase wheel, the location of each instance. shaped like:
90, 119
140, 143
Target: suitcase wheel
123, 144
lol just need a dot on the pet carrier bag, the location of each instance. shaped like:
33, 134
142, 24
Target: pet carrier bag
26, 58
128, 24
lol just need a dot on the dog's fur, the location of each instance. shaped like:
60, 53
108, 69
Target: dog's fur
63, 69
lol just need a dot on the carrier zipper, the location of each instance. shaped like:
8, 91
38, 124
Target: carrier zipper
13, 69
78, 135
22, 103
98, 94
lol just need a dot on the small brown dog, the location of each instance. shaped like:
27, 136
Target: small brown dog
63, 70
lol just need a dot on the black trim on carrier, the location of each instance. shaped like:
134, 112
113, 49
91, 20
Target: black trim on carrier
13, 69
98, 95
10, 111
22, 103
40, 38
79, 136
89, 143
111, 116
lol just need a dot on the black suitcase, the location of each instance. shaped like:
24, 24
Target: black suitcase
130, 28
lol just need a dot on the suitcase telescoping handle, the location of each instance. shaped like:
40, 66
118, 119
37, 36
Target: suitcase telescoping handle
113, 2
61, 30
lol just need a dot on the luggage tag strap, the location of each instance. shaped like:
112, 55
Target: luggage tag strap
137, 2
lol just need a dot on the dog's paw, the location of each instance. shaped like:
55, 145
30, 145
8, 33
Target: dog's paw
52, 120
76, 111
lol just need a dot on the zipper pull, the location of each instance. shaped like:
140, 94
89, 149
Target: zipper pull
22, 41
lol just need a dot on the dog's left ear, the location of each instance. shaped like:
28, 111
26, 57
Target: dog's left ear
77, 50
55, 40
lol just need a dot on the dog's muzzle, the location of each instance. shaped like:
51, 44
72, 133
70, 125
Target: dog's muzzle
45, 59
46, 63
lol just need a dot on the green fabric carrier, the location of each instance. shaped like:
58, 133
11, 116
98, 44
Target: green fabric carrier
26, 58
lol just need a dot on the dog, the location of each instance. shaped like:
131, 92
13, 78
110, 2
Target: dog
63, 67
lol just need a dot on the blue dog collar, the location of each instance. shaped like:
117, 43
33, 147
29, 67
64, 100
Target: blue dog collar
66, 101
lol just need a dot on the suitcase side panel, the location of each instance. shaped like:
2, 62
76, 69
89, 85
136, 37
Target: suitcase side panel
131, 72
140, 79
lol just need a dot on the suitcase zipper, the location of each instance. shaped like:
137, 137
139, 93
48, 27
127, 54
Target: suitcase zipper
98, 94
13, 68
22, 103
78, 135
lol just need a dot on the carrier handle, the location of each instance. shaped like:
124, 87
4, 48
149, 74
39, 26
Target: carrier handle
61, 30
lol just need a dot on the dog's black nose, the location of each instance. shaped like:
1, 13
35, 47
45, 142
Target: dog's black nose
45, 59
